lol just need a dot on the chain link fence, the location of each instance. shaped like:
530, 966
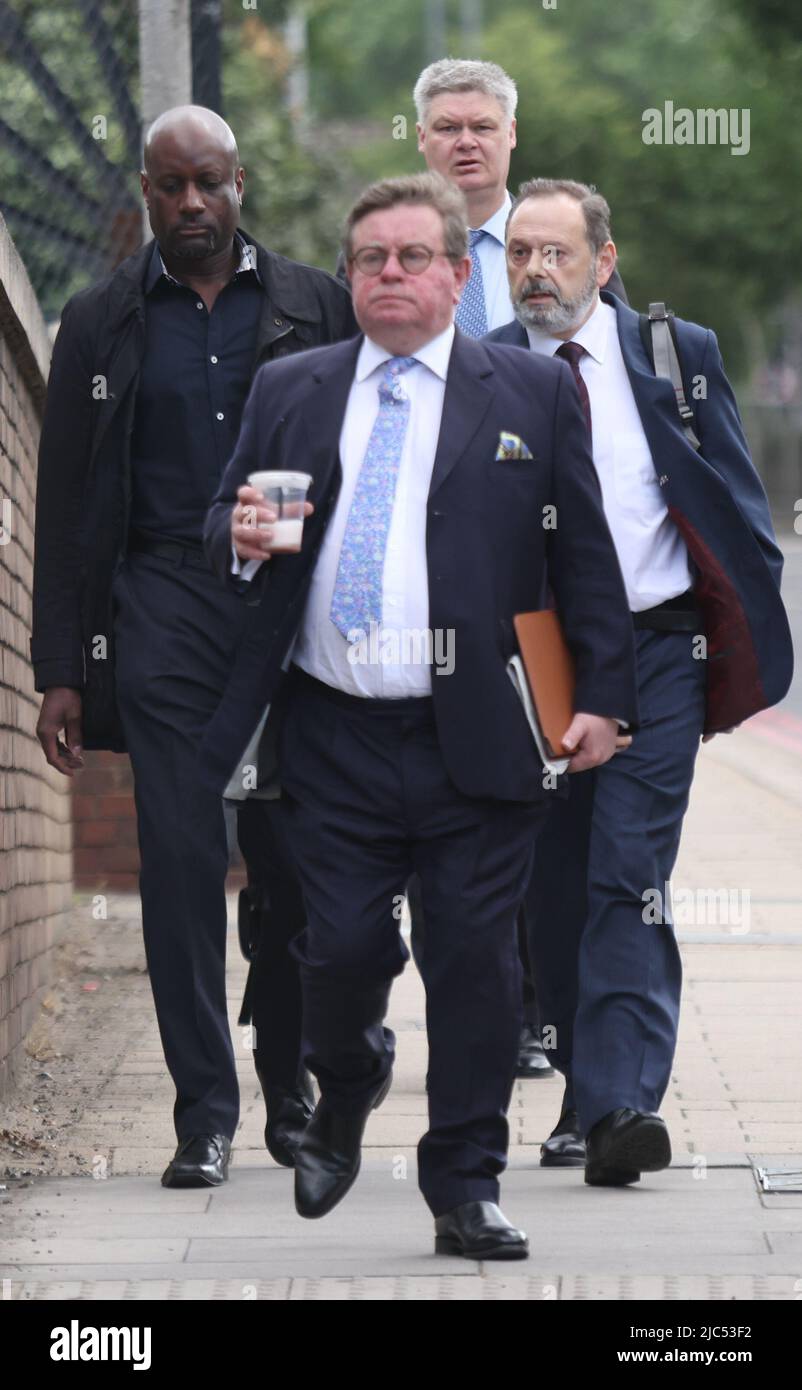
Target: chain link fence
70, 133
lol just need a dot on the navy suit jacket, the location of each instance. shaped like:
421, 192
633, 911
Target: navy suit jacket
489, 554
718, 504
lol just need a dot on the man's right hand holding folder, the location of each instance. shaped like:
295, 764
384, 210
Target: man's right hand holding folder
543, 676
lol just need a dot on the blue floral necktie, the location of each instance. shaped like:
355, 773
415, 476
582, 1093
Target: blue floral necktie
357, 598
471, 316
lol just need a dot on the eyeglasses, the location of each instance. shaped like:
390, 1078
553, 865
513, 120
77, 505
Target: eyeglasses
371, 260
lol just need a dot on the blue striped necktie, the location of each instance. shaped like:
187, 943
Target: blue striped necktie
471, 316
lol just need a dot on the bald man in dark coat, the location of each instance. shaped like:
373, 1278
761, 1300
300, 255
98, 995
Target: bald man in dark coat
133, 636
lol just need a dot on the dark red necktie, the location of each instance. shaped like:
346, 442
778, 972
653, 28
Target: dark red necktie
571, 353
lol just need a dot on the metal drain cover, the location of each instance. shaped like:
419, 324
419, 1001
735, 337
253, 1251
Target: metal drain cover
779, 1179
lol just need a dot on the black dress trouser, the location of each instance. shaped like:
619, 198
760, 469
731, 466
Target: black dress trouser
368, 803
272, 1003
417, 938
176, 630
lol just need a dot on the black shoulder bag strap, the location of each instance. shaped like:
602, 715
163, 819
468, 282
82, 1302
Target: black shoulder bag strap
660, 341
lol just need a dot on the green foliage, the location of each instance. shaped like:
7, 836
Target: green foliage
70, 224
292, 184
775, 22
717, 235
707, 230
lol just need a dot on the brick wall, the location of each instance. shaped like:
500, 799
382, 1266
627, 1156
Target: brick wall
105, 847
35, 849
105, 851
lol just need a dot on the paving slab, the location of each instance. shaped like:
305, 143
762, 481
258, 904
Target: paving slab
700, 1231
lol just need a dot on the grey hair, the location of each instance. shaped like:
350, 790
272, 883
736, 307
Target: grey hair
464, 75
595, 208
427, 190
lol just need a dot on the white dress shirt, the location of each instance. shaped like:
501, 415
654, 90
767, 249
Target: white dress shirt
493, 260
652, 554
376, 667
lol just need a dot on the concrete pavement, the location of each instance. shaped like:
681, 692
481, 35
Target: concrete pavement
104, 1228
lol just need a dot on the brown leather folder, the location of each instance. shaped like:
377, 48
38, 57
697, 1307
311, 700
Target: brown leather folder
550, 674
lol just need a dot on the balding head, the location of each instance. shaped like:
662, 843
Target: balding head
190, 126
192, 183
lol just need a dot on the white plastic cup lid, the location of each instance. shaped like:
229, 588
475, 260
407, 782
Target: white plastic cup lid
269, 478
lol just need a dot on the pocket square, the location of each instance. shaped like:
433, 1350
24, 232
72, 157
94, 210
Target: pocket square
511, 446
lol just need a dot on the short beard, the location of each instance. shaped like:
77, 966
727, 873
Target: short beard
561, 316
194, 250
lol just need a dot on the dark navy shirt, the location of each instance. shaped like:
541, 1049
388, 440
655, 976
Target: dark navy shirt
194, 379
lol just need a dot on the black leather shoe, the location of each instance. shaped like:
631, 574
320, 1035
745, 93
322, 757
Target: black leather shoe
565, 1146
328, 1156
288, 1114
479, 1231
200, 1161
532, 1060
623, 1145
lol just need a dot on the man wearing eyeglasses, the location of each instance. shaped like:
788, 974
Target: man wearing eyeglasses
466, 128
425, 515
